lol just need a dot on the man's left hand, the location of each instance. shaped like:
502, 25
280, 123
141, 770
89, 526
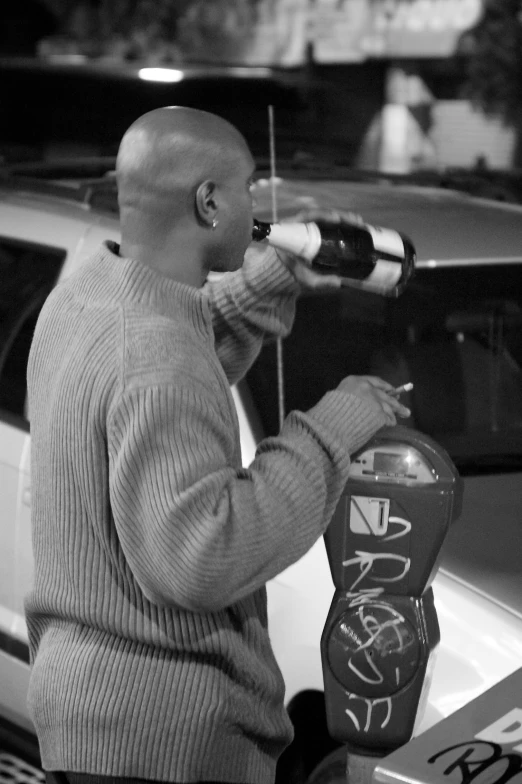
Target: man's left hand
306, 276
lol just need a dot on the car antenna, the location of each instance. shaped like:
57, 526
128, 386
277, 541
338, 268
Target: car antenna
279, 341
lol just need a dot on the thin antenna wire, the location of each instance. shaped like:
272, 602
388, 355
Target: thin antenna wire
279, 342
272, 162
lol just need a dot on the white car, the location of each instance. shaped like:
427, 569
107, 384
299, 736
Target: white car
456, 333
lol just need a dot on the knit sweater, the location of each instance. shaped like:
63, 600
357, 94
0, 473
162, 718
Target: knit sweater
147, 619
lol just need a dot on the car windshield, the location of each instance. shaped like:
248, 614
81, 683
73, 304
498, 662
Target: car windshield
455, 333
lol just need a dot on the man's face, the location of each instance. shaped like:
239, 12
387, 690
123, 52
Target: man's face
235, 215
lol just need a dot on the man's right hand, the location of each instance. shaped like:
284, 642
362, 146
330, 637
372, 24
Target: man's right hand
377, 392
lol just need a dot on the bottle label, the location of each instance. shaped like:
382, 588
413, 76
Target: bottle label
383, 278
387, 241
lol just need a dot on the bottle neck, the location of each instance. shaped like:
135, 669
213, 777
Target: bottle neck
260, 230
301, 239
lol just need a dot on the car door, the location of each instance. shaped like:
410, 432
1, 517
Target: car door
34, 247
29, 271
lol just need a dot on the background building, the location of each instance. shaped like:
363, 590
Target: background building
373, 83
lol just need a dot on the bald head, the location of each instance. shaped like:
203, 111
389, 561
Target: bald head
166, 154
183, 189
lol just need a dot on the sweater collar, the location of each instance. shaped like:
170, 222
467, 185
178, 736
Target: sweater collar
127, 280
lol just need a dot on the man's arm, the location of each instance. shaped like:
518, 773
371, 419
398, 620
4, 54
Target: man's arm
197, 530
255, 302
259, 299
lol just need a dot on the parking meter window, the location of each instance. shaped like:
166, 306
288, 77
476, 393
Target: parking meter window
393, 462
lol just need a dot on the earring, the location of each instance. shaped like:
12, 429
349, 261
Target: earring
214, 224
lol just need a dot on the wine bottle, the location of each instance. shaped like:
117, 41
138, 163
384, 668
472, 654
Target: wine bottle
373, 258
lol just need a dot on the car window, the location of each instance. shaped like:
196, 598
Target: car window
456, 333
27, 274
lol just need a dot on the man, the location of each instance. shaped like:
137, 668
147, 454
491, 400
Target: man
148, 620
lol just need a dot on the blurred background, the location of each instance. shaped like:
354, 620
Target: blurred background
393, 85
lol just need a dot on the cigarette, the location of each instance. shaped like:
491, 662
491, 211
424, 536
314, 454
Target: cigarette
403, 388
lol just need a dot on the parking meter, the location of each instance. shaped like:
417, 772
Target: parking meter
383, 546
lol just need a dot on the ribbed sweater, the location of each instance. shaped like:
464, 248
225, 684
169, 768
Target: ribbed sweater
147, 620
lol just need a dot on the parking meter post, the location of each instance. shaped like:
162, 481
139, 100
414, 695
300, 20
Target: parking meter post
360, 767
381, 633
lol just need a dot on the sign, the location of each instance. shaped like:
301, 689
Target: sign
280, 35
353, 30
479, 744
337, 30
263, 33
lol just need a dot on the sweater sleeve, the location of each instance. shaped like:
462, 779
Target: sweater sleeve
197, 531
255, 302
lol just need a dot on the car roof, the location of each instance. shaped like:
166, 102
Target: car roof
446, 226
85, 187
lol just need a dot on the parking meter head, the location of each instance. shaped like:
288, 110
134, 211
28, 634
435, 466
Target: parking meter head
386, 535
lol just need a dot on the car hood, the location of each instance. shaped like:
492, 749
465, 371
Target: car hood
444, 225
484, 546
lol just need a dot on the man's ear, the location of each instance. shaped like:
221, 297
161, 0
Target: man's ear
206, 203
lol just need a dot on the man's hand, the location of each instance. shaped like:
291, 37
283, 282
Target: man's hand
304, 274
379, 393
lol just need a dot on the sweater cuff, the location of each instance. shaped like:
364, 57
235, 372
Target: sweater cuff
351, 420
267, 274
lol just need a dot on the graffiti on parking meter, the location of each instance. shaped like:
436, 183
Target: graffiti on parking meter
378, 709
368, 563
383, 628
375, 646
371, 707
